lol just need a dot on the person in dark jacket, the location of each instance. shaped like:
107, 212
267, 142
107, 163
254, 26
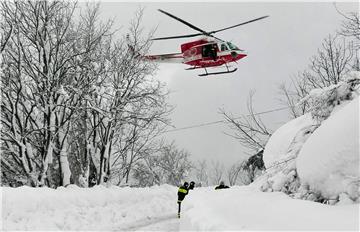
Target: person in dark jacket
222, 186
182, 192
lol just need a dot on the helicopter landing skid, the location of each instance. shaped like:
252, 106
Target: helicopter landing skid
216, 73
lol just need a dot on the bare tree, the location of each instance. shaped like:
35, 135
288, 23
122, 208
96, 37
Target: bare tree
245, 175
138, 140
351, 29
216, 172
147, 172
233, 173
333, 60
330, 64
169, 165
350, 26
6, 24
292, 93
202, 173
249, 130
175, 163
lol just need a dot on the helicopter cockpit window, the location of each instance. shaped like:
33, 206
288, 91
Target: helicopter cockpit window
232, 46
224, 47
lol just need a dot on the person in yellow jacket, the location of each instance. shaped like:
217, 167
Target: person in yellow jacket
182, 192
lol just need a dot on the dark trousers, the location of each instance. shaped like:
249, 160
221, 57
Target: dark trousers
179, 210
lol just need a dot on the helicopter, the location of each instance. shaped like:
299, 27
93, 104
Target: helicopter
208, 51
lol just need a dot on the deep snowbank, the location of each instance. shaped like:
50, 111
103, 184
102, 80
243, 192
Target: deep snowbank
277, 148
73, 208
316, 156
280, 155
243, 208
329, 160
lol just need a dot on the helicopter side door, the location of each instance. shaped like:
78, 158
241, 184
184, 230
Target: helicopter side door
210, 51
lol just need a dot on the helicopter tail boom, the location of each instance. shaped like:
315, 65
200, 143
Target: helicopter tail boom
166, 58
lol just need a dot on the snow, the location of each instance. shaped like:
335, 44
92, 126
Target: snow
74, 208
144, 209
323, 155
280, 154
329, 160
243, 208
278, 145
316, 156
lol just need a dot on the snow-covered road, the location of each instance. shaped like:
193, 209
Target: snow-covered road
155, 209
168, 222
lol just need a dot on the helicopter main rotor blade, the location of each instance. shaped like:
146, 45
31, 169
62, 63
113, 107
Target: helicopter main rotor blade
185, 36
240, 24
177, 37
200, 30
184, 22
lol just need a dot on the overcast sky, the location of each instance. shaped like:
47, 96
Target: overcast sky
277, 47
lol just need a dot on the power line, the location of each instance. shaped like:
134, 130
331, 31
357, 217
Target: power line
223, 121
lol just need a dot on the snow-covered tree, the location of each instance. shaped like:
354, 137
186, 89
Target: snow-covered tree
175, 163
233, 173
126, 106
216, 172
38, 75
201, 173
76, 99
169, 165
338, 55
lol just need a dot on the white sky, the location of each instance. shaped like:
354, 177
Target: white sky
277, 47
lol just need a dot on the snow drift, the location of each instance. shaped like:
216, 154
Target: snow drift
73, 208
329, 160
316, 156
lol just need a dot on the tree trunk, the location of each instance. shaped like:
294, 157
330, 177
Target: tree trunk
64, 163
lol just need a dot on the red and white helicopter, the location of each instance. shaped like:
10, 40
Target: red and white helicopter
208, 51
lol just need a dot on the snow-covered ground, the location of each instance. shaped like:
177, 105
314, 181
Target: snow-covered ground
244, 208
74, 208
155, 208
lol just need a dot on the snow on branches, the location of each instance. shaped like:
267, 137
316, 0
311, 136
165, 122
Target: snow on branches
322, 101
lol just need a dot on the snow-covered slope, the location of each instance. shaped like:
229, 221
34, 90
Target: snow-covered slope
329, 160
280, 155
316, 156
278, 146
